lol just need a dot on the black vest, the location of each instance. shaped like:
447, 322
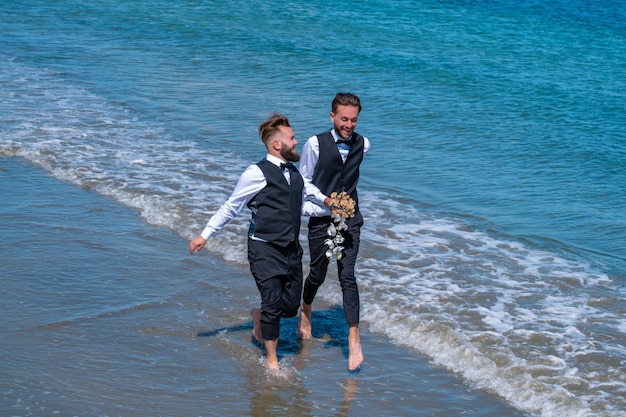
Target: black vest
331, 173
276, 208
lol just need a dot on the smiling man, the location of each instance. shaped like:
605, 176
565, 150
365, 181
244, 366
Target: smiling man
330, 163
273, 191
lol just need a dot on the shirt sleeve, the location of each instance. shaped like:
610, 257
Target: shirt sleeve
250, 183
313, 198
366, 144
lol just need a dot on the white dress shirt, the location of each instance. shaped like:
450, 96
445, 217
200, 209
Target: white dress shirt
313, 204
250, 183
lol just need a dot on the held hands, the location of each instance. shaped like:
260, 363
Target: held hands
196, 244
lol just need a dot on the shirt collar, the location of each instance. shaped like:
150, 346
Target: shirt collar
274, 159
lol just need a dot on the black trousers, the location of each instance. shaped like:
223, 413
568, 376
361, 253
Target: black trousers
277, 272
345, 267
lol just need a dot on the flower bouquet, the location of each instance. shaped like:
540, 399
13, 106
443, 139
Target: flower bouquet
341, 208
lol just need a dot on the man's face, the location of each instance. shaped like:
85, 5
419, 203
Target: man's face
288, 144
344, 120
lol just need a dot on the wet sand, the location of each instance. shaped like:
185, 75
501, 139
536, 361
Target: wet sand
105, 315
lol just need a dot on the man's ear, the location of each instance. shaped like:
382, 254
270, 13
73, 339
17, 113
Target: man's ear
276, 145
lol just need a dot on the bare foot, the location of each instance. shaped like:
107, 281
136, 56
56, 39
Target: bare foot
271, 360
304, 324
355, 356
255, 313
355, 353
271, 365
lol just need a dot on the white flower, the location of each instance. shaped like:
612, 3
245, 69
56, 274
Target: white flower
342, 208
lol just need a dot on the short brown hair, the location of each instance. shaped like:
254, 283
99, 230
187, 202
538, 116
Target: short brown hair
346, 99
269, 128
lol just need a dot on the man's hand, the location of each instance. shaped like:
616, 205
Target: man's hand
196, 244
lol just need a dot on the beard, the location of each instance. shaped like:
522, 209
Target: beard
289, 154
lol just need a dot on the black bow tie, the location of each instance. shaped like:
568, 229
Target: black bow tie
287, 165
344, 142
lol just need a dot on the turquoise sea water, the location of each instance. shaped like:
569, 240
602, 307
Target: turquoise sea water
493, 195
